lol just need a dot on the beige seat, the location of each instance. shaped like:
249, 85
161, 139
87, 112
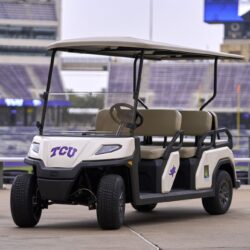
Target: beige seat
187, 152
215, 123
104, 122
156, 122
151, 152
194, 123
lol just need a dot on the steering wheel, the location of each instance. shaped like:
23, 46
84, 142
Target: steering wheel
122, 113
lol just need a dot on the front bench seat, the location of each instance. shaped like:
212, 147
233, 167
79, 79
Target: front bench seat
194, 123
156, 122
151, 152
105, 123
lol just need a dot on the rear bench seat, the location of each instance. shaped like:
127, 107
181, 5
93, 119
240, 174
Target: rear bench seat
157, 122
194, 123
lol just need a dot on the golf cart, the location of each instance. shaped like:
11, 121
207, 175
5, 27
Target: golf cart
120, 161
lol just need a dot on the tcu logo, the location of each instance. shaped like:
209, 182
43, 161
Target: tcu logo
70, 151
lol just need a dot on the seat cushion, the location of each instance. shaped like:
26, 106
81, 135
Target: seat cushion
187, 152
151, 152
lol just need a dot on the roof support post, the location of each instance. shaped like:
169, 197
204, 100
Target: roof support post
135, 74
40, 125
137, 82
215, 85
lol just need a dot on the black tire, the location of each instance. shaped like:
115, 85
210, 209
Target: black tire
25, 212
111, 202
220, 203
144, 208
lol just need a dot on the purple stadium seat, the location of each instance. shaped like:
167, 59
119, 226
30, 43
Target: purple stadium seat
15, 81
180, 85
27, 11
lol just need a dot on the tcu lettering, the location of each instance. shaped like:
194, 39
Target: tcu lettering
70, 151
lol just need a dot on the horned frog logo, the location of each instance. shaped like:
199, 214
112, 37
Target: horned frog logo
172, 171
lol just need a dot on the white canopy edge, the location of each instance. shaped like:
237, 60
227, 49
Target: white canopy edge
131, 47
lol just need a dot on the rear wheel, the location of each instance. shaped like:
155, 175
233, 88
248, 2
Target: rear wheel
111, 202
220, 203
144, 208
25, 201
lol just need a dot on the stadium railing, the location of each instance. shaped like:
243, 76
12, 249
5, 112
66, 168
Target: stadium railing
7, 159
246, 180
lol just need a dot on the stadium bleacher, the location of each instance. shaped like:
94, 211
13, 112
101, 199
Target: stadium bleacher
230, 75
27, 80
27, 11
179, 85
42, 74
120, 79
167, 80
16, 82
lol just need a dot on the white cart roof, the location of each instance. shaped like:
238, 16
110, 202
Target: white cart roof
131, 47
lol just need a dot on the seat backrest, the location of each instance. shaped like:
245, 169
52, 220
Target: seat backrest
215, 123
156, 122
196, 123
159, 122
104, 122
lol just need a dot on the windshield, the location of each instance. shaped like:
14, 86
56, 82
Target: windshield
75, 113
171, 85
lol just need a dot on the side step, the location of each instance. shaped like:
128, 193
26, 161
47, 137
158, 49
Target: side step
175, 195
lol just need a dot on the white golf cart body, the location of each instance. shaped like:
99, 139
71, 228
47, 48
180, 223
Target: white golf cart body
68, 152
153, 172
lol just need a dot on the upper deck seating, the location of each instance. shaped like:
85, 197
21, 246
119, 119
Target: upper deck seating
194, 123
156, 122
24, 10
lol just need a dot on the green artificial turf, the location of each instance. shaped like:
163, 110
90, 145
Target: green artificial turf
29, 169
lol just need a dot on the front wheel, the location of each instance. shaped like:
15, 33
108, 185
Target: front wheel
220, 203
25, 201
111, 202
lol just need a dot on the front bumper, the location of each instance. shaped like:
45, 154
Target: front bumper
56, 184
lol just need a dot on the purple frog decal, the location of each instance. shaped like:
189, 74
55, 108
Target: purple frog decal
172, 171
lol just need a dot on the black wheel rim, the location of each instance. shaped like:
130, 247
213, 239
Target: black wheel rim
224, 194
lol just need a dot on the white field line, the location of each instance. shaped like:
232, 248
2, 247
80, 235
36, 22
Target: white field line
144, 239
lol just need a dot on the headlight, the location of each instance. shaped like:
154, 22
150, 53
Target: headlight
35, 147
108, 149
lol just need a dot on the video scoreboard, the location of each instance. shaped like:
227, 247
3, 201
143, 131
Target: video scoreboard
224, 11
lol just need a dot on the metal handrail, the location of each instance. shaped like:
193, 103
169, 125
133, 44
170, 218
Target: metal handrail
8, 159
242, 159
11, 159
21, 159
